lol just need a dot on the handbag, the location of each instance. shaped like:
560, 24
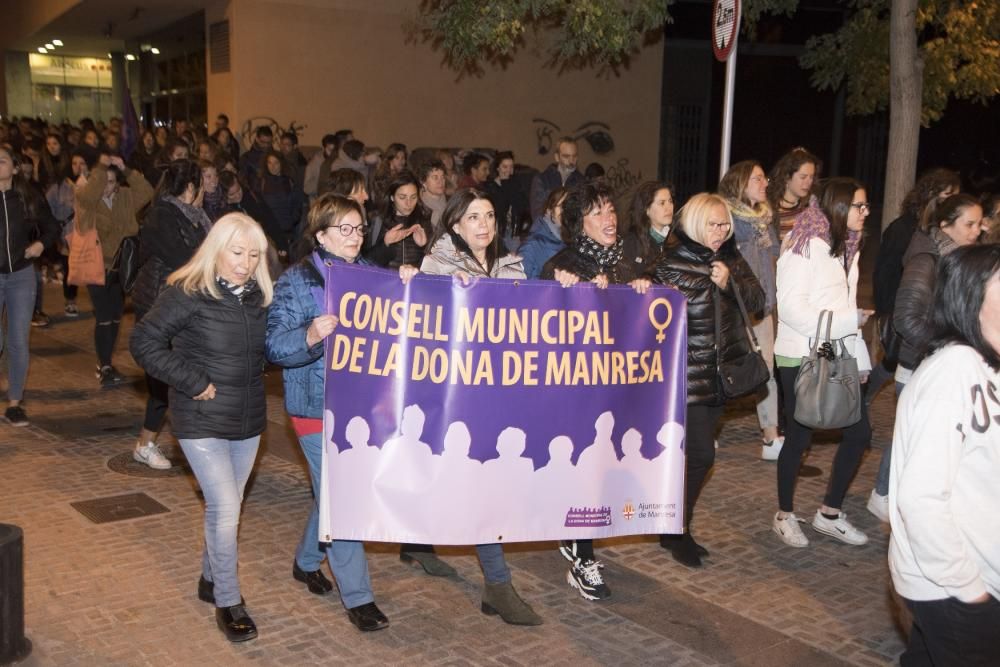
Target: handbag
86, 259
828, 387
744, 375
125, 265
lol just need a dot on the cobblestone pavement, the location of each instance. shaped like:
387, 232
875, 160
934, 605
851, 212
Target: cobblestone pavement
123, 593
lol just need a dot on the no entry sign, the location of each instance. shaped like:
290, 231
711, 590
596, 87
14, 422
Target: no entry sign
725, 23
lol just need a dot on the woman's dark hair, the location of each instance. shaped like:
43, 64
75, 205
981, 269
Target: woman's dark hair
945, 213
554, 198
353, 149
262, 171
782, 172
960, 290
639, 222
228, 179
383, 171
344, 182
452, 215
930, 184
471, 161
593, 170
387, 206
22, 186
497, 159
579, 201
735, 181
835, 198
427, 167
176, 178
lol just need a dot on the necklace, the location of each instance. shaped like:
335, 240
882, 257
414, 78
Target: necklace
791, 204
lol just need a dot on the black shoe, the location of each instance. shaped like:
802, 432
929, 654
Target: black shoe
109, 377
684, 549
315, 581
16, 416
235, 623
206, 590
585, 576
40, 319
367, 618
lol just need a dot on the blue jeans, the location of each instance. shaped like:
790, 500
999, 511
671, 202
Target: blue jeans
17, 294
346, 557
495, 569
885, 465
222, 468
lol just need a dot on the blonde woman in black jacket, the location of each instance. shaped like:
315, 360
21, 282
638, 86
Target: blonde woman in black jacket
205, 338
701, 260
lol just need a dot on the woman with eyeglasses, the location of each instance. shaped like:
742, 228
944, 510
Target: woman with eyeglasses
744, 187
817, 271
700, 260
296, 329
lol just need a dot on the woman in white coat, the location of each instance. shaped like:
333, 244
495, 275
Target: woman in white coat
817, 271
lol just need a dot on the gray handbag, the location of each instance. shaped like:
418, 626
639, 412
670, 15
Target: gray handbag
828, 386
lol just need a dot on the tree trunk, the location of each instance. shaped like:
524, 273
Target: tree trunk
906, 84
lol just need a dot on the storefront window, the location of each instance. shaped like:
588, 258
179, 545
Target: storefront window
65, 87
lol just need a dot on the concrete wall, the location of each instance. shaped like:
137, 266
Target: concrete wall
17, 79
333, 64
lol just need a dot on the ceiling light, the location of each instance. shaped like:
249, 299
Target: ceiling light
129, 56
50, 46
41, 49
57, 42
155, 51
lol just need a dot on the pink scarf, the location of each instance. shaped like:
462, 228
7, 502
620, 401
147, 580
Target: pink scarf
811, 224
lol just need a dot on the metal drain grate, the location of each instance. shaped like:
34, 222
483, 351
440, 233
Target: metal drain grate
119, 508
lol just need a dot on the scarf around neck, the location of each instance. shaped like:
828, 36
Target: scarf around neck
759, 219
194, 214
811, 223
606, 257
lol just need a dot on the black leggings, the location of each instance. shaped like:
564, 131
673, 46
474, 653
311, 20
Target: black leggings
797, 440
699, 450
109, 304
158, 400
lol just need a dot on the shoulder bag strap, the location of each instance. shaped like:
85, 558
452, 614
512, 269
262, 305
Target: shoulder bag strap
743, 312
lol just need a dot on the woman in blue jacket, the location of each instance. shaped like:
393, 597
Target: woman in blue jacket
296, 329
545, 239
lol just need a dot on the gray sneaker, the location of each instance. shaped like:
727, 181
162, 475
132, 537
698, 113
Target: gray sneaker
151, 455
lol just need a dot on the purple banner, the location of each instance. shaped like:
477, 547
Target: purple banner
501, 411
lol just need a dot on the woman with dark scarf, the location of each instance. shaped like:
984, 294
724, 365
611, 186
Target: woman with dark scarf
594, 253
174, 228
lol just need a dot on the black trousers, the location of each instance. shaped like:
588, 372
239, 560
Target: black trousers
699, 451
109, 304
158, 399
797, 440
949, 633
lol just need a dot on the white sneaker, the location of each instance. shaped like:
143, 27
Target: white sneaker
151, 455
771, 450
879, 506
839, 528
788, 530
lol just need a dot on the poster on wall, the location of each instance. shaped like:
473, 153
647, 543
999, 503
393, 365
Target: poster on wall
500, 411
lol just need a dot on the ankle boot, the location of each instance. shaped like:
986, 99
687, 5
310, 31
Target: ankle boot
503, 600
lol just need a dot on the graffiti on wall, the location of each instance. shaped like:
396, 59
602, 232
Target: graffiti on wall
246, 133
596, 134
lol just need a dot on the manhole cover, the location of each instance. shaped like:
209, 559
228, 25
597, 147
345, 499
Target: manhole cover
119, 508
74, 426
124, 464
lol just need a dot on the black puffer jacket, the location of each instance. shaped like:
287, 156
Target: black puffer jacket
586, 267
915, 298
189, 341
167, 240
686, 265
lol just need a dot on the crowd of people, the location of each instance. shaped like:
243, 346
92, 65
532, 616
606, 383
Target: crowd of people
232, 246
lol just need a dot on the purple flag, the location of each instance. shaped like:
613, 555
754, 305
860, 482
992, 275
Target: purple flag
501, 411
130, 126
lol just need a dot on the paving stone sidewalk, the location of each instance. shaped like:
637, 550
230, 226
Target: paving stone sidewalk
123, 593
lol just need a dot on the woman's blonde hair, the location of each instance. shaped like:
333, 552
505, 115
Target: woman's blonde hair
695, 213
199, 274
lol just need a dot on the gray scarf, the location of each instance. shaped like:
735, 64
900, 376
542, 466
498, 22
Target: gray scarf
195, 215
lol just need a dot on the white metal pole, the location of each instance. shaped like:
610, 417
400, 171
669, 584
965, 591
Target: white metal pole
727, 111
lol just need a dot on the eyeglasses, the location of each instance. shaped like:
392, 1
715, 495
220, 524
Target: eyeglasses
862, 206
347, 230
719, 226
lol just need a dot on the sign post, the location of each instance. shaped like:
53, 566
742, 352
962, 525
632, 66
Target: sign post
725, 33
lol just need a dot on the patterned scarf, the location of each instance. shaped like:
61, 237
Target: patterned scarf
194, 214
759, 220
606, 257
239, 291
811, 223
